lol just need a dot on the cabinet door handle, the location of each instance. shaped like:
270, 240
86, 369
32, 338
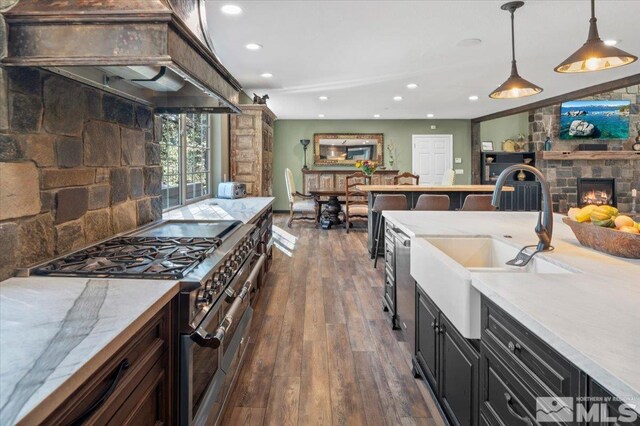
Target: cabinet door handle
514, 347
105, 395
510, 406
442, 330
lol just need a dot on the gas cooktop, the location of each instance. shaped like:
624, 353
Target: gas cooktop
151, 253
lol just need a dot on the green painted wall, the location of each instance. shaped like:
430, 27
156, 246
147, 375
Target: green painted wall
504, 128
288, 151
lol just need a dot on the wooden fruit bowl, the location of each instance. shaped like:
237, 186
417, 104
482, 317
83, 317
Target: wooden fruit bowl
606, 240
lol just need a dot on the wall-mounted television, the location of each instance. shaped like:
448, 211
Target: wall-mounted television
581, 120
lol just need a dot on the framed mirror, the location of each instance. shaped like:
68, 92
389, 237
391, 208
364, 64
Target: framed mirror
335, 149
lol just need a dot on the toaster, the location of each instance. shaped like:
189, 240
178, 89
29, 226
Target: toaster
232, 190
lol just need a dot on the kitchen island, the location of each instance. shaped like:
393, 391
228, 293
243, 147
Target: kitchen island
456, 193
587, 317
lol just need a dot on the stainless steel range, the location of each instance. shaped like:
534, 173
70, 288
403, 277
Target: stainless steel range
218, 267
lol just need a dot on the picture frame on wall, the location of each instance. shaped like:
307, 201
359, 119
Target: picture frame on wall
487, 146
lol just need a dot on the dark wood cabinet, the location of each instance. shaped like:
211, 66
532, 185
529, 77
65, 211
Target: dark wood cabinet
427, 316
527, 196
458, 375
136, 386
447, 361
609, 407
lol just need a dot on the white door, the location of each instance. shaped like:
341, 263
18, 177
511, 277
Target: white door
432, 155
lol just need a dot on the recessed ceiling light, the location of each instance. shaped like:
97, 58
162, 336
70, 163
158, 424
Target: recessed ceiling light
266, 75
321, 115
231, 9
429, 115
253, 46
397, 98
473, 98
376, 115
412, 86
611, 42
468, 42
323, 98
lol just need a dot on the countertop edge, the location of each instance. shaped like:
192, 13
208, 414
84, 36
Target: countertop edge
56, 398
606, 379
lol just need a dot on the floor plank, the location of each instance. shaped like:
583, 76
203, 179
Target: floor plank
283, 401
346, 402
315, 396
322, 350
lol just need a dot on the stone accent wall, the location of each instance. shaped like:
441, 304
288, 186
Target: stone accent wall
77, 165
563, 174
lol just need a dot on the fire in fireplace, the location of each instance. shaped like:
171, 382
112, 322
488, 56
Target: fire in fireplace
598, 191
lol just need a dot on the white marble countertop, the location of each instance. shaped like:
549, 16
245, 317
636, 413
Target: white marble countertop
592, 318
244, 209
55, 332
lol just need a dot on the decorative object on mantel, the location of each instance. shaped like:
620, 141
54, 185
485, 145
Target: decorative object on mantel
547, 127
636, 146
547, 144
515, 86
595, 55
367, 167
634, 196
509, 145
305, 143
392, 150
521, 143
260, 100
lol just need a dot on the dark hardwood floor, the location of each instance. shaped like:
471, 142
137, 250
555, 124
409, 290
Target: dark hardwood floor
323, 350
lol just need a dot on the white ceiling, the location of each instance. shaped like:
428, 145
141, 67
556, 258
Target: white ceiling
363, 53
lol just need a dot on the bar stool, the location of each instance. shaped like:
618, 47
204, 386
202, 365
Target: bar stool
382, 203
432, 202
478, 203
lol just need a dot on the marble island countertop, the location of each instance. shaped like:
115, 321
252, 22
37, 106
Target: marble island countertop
244, 209
591, 317
56, 332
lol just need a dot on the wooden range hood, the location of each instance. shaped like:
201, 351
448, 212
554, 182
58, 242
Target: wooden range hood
157, 52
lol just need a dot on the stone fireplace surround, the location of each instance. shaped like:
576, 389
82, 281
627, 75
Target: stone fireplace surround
77, 165
563, 174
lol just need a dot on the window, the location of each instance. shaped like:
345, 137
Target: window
185, 155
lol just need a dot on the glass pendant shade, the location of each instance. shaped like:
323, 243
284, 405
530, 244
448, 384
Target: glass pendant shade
594, 55
515, 86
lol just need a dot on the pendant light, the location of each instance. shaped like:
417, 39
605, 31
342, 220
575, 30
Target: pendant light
515, 86
594, 55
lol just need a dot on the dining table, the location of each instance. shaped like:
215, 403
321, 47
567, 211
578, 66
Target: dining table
330, 216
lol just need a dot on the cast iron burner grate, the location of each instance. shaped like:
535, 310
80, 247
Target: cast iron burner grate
134, 257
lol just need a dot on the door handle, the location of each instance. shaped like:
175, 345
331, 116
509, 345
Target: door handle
510, 406
202, 338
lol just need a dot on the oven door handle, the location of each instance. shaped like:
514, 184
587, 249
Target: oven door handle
202, 338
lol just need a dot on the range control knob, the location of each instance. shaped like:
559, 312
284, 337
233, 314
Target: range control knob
202, 299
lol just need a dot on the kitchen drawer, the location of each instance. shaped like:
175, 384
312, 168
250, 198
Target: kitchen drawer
504, 401
528, 356
124, 373
389, 256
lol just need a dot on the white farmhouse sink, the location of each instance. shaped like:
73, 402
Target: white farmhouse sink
444, 268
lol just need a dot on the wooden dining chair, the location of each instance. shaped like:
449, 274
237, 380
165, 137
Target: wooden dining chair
356, 205
478, 203
432, 202
299, 204
406, 175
